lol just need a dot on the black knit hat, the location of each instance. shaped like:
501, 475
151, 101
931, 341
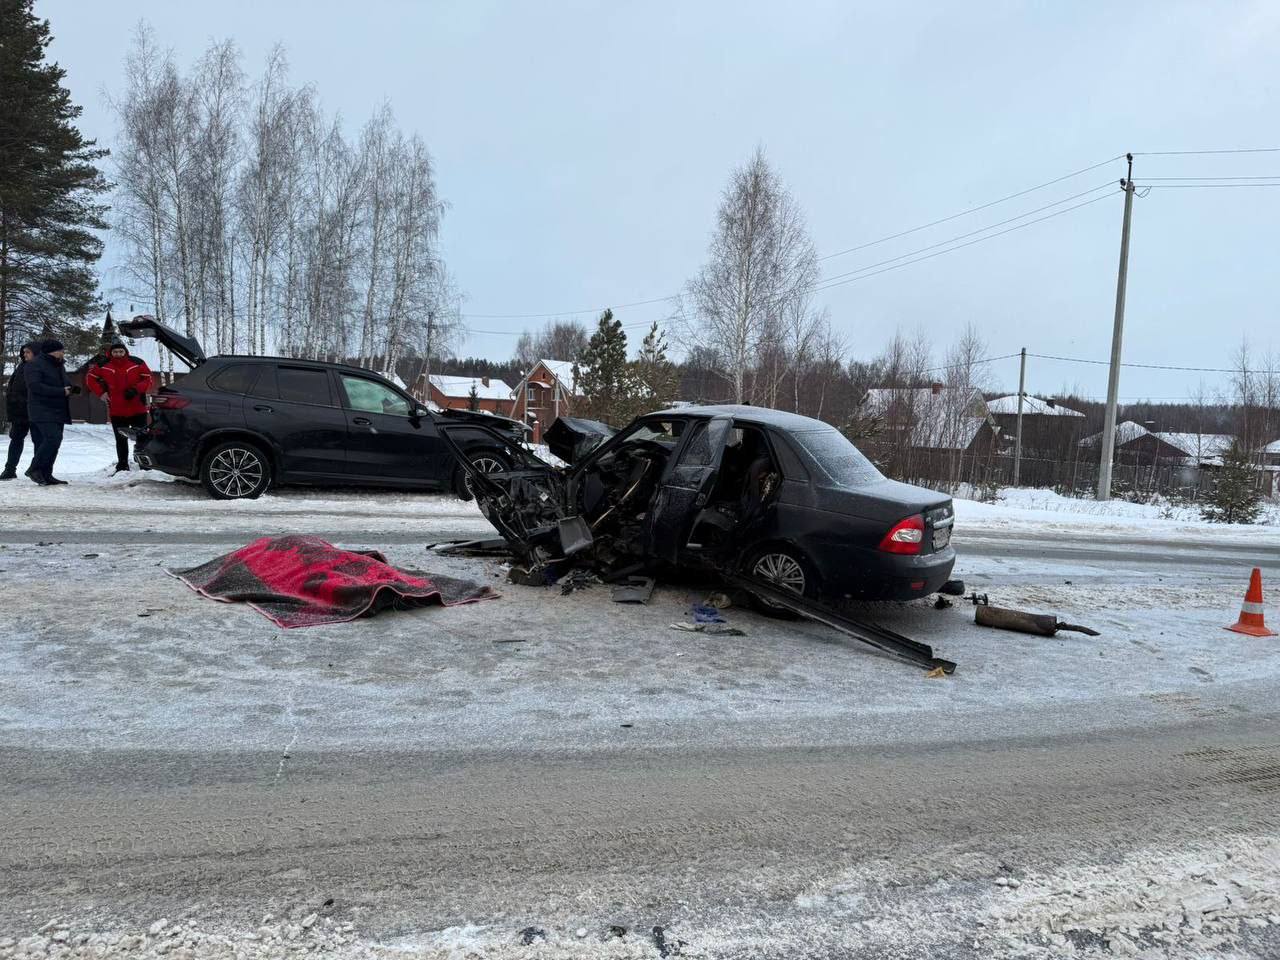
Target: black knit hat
32, 346
116, 345
51, 346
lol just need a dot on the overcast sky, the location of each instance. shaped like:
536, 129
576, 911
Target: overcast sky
582, 149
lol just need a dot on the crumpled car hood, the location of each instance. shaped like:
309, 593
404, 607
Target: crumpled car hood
571, 438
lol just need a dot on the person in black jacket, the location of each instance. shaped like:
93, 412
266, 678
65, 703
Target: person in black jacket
48, 408
15, 406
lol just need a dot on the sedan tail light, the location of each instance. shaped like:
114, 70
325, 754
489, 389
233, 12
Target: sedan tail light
170, 401
906, 536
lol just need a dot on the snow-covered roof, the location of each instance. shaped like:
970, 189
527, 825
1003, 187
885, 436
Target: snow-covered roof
938, 420
461, 387
1126, 432
1200, 446
1272, 447
562, 370
1031, 406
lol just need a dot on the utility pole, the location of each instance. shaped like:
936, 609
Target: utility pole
1017, 443
1117, 335
426, 375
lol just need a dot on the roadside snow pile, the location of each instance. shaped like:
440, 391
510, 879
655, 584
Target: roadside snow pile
1015, 506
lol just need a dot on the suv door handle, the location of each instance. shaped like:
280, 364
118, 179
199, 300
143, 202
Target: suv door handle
363, 421
263, 408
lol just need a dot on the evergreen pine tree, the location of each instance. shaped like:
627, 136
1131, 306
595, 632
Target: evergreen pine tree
602, 373
1234, 497
473, 397
49, 183
655, 376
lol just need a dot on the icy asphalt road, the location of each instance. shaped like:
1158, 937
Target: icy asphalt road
786, 793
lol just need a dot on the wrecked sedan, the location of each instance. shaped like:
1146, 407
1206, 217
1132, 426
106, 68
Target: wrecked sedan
739, 490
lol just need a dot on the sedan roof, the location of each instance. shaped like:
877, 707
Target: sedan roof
742, 411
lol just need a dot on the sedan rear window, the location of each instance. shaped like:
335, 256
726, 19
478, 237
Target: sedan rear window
839, 459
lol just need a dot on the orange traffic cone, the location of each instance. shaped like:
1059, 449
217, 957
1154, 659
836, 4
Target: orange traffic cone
1251, 621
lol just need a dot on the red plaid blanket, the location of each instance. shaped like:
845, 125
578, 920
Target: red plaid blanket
299, 581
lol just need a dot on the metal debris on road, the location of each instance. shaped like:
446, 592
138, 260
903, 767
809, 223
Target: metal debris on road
715, 629
633, 590
1041, 624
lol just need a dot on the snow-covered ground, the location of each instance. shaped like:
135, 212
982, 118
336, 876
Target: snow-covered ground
111, 660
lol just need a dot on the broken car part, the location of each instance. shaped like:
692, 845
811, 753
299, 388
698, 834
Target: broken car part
1042, 624
633, 590
912, 651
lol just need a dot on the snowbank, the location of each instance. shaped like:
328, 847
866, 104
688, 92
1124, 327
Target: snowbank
1019, 509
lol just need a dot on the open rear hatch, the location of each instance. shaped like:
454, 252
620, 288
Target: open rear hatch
187, 349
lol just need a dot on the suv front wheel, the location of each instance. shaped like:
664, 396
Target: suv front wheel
235, 470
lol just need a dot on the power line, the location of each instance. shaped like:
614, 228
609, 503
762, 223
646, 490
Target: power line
969, 363
839, 253
963, 213
1206, 186
891, 264
1144, 366
565, 313
1261, 176
864, 276
518, 333
971, 233
1201, 153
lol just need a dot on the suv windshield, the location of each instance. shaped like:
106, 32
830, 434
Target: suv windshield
839, 459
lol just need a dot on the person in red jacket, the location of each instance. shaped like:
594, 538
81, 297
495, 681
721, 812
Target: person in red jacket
123, 382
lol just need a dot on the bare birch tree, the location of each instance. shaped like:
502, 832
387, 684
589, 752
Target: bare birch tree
255, 223
760, 262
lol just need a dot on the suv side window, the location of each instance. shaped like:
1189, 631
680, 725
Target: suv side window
303, 385
237, 378
369, 396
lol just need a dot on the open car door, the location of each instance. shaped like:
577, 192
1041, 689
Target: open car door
186, 349
687, 488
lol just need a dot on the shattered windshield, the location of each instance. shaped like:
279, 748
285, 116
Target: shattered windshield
839, 459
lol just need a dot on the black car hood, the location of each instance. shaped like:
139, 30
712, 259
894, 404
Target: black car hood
571, 438
186, 349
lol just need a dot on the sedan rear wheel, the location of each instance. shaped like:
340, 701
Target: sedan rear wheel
786, 570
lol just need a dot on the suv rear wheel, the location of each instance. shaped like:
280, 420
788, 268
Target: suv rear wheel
235, 470
486, 461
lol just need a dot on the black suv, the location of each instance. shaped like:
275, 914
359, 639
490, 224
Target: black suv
241, 424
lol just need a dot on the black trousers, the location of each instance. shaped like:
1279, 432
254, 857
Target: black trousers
122, 442
18, 431
48, 437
